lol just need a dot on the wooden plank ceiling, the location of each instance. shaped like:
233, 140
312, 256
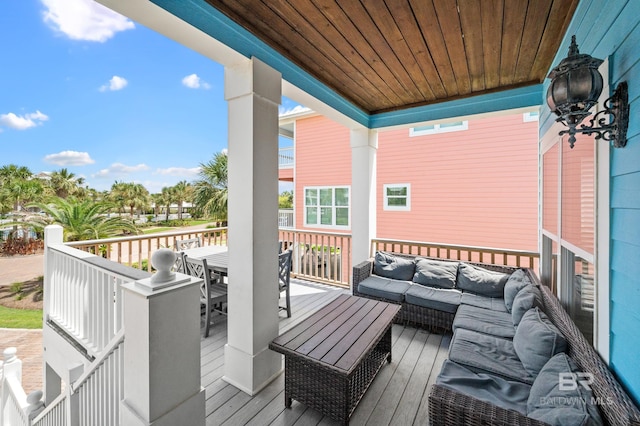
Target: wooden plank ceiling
386, 55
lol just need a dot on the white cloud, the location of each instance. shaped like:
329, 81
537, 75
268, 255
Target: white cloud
116, 83
84, 19
194, 82
178, 171
119, 169
69, 158
22, 122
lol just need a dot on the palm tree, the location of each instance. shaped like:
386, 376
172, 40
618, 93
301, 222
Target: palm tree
182, 191
82, 220
211, 192
167, 197
132, 195
65, 183
13, 181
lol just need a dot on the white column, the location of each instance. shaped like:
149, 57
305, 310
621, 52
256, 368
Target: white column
253, 92
52, 386
162, 352
364, 144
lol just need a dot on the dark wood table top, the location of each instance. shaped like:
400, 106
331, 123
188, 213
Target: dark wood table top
340, 334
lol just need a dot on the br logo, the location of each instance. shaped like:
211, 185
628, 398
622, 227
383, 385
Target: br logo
570, 381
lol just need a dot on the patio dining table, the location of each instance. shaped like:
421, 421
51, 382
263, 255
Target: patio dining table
217, 257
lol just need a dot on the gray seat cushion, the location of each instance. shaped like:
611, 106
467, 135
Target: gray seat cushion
384, 288
395, 267
526, 299
435, 273
493, 303
495, 390
516, 282
481, 281
484, 353
485, 321
566, 404
537, 340
442, 299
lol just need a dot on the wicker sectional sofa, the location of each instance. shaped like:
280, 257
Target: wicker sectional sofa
515, 356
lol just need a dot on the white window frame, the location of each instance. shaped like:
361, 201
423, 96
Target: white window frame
385, 197
333, 206
437, 128
530, 116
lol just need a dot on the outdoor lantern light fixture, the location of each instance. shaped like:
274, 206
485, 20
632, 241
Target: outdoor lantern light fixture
576, 85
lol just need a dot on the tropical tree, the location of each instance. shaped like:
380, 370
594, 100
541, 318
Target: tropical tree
133, 195
285, 200
167, 197
211, 190
82, 219
15, 183
64, 183
182, 191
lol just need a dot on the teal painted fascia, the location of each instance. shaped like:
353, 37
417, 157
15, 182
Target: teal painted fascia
211, 21
217, 25
522, 97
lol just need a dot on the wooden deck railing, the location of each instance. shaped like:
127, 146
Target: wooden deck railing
136, 249
507, 257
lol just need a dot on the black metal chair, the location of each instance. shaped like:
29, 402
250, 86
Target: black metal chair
284, 278
212, 295
188, 244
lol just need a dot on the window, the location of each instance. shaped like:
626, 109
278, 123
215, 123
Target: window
530, 116
454, 126
326, 206
397, 197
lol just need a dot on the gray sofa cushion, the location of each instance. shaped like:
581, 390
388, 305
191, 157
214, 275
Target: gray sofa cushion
527, 298
537, 340
569, 403
495, 390
484, 353
492, 303
394, 267
384, 288
516, 282
435, 273
484, 320
481, 281
442, 299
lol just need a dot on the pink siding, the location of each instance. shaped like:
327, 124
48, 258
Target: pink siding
473, 187
323, 158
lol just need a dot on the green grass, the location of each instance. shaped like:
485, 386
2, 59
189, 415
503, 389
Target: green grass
20, 318
155, 230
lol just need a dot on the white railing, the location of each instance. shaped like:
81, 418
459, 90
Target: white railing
55, 414
285, 158
285, 218
16, 408
85, 296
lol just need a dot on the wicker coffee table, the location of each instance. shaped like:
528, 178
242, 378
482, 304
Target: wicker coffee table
333, 356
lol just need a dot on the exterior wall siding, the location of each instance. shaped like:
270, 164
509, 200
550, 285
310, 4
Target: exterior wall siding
472, 187
611, 29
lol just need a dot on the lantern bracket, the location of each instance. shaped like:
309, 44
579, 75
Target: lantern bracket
617, 107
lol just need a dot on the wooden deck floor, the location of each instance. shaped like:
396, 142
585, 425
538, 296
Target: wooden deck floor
397, 396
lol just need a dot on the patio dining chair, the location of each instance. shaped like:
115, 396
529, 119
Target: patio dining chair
179, 264
187, 244
284, 278
212, 295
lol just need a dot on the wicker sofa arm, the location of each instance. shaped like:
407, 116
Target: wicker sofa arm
448, 407
361, 271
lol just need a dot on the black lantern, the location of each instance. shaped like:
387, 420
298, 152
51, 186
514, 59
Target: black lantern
576, 85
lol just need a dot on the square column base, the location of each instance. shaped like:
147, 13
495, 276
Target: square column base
251, 373
189, 412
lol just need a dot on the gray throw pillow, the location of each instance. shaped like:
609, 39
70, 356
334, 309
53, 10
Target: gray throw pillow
435, 273
394, 267
526, 299
481, 281
566, 402
516, 282
537, 340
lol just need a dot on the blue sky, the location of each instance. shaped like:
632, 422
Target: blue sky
89, 90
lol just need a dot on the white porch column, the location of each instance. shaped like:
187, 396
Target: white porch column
253, 92
162, 349
364, 145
